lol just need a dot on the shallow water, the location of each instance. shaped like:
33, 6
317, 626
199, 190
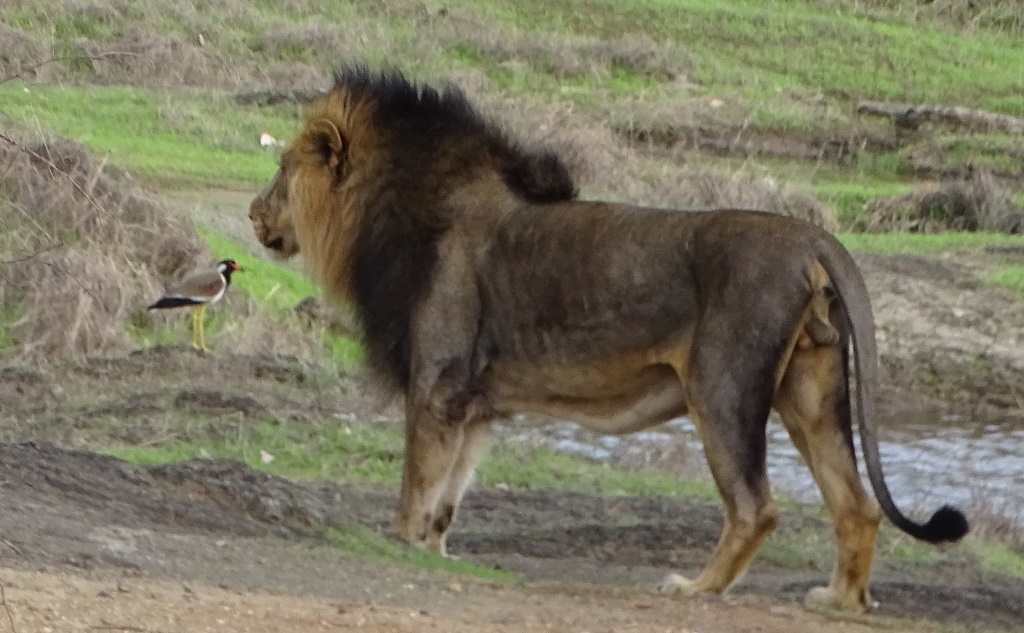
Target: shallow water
928, 458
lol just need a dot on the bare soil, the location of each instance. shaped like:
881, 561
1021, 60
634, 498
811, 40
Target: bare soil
88, 542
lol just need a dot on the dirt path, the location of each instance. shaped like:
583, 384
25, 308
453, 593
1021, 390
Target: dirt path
181, 546
68, 602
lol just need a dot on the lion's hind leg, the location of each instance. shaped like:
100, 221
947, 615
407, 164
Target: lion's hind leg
731, 415
813, 402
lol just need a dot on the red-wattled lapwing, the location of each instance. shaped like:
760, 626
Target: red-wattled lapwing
199, 289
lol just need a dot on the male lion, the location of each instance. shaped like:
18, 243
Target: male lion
484, 288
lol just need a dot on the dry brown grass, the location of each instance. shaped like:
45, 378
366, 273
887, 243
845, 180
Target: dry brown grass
143, 57
675, 457
997, 523
976, 202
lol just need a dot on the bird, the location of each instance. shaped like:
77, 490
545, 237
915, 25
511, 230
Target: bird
200, 289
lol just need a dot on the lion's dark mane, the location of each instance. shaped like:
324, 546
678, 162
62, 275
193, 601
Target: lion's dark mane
434, 141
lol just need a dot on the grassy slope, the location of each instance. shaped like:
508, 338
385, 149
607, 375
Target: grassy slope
780, 67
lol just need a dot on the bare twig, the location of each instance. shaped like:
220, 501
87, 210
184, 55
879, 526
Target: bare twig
89, 56
11, 545
7, 608
32, 255
118, 627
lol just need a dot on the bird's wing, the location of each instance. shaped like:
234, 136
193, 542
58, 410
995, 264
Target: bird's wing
200, 285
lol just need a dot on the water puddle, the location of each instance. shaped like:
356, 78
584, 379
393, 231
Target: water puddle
929, 458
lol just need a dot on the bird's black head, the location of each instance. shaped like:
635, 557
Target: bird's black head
226, 267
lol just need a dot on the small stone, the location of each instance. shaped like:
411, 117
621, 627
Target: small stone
455, 587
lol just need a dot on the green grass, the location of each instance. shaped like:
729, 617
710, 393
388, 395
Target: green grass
848, 197
372, 454
9, 315
777, 44
364, 542
193, 137
924, 243
1009, 277
999, 558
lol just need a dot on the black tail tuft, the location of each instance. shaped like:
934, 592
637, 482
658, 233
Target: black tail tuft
173, 302
948, 524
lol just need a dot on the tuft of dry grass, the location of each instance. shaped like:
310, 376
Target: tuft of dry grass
975, 202
997, 524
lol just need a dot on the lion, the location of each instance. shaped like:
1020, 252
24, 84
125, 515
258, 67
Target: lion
485, 288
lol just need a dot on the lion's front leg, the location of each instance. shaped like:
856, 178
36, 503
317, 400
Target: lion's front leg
447, 428
431, 448
473, 442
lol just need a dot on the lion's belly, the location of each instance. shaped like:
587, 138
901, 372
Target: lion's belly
607, 398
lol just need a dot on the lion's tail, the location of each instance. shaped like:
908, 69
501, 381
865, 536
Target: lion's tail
948, 523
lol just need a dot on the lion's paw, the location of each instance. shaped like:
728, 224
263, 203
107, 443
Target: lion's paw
826, 599
678, 585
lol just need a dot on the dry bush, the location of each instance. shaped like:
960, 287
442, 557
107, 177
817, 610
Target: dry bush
143, 57
976, 202
20, 53
85, 249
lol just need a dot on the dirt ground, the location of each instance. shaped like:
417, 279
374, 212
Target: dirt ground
90, 543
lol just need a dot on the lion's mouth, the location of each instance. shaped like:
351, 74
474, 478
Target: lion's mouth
276, 244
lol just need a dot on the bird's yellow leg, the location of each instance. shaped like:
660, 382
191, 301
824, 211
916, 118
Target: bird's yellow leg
202, 330
195, 329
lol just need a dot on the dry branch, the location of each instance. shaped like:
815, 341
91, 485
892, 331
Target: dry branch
7, 608
910, 116
90, 56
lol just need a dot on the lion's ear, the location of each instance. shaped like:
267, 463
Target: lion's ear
326, 141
